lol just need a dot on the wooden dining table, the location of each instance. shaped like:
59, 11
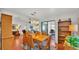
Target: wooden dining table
40, 37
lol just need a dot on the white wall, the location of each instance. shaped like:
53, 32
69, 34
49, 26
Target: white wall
19, 22
74, 17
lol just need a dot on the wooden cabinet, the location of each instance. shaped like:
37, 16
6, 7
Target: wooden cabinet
63, 31
7, 37
0, 35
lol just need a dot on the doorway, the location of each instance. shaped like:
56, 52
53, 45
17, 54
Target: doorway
46, 26
50, 28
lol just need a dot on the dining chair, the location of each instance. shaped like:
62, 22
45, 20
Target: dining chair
26, 42
46, 43
44, 33
30, 41
38, 33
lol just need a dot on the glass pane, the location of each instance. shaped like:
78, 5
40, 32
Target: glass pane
51, 26
44, 26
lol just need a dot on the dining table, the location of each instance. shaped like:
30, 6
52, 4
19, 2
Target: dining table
40, 37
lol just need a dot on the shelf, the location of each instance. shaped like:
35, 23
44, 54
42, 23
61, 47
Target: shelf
63, 21
64, 31
60, 42
63, 26
61, 36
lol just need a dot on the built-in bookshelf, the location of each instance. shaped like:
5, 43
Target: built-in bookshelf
63, 31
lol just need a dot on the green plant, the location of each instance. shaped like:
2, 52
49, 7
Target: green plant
73, 40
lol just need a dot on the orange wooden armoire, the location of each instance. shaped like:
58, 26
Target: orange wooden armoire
7, 37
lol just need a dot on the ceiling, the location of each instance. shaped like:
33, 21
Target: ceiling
25, 13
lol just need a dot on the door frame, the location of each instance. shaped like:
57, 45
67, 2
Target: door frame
47, 24
56, 27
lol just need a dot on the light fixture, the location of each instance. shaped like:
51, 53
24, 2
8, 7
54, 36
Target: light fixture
17, 26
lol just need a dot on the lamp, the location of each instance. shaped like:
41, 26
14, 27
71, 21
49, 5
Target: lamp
73, 28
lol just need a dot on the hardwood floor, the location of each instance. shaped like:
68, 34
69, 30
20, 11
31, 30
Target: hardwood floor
18, 44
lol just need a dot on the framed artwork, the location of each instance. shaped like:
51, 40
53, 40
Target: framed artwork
16, 26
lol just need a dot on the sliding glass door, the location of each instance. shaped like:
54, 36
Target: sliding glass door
44, 27
47, 26
51, 26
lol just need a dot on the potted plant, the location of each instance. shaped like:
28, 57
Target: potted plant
73, 41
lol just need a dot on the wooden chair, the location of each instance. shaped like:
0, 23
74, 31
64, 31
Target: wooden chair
48, 40
32, 44
30, 41
44, 33
27, 40
17, 34
38, 33
45, 44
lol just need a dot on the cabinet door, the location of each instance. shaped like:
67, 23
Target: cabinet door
4, 27
7, 38
0, 36
9, 26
